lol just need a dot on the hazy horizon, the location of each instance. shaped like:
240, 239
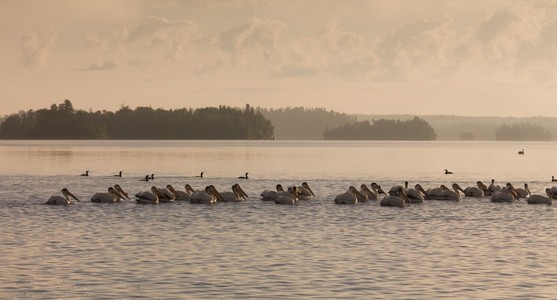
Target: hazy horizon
431, 57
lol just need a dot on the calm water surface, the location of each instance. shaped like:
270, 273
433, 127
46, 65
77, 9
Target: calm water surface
469, 249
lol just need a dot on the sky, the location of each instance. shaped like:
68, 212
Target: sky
450, 57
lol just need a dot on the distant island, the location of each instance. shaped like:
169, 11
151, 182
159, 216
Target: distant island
414, 129
62, 121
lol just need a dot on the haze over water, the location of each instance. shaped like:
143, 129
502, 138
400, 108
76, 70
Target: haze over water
316, 249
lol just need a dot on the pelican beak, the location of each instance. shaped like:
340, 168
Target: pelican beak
380, 190
72, 195
121, 191
216, 194
242, 193
359, 195
309, 189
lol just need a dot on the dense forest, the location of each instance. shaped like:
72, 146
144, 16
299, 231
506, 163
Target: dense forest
522, 132
383, 129
64, 122
300, 123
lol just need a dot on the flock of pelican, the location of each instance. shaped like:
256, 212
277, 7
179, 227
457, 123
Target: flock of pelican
398, 196
158, 195
401, 196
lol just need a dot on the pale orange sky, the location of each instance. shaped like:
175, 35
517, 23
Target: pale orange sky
357, 56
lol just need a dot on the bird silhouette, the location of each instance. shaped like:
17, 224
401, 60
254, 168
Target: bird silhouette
448, 172
244, 177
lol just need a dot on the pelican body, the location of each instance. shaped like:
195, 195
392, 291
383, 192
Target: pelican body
305, 192
149, 197
539, 199
351, 196
290, 196
506, 194
236, 195
270, 195
207, 196
112, 196
65, 199
400, 200
181, 195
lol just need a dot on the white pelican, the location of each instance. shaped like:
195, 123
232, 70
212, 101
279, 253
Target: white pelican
168, 196
474, 191
119, 174
367, 194
270, 195
493, 188
539, 199
377, 189
448, 194
400, 200
244, 177
521, 193
423, 192
112, 196
484, 188
351, 196
414, 194
394, 189
208, 196
506, 194
305, 192
433, 193
121, 191
179, 195
236, 195
85, 174
149, 197
59, 200
290, 196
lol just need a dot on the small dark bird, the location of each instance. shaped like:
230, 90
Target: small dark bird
152, 176
85, 174
244, 177
521, 151
200, 175
146, 179
553, 178
448, 172
119, 174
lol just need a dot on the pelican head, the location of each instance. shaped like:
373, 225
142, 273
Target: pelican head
121, 191
457, 188
305, 185
172, 190
189, 189
239, 192
67, 194
210, 189
377, 188
280, 188
402, 194
112, 191
421, 190
356, 193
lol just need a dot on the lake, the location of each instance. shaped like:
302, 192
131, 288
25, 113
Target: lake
255, 249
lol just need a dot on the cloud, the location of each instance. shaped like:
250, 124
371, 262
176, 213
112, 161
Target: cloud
100, 66
157, 28
255, 34
93, 41
36, 49
420, 49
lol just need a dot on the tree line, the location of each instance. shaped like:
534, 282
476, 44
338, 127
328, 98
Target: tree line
522, 132
383, 129
62, 121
